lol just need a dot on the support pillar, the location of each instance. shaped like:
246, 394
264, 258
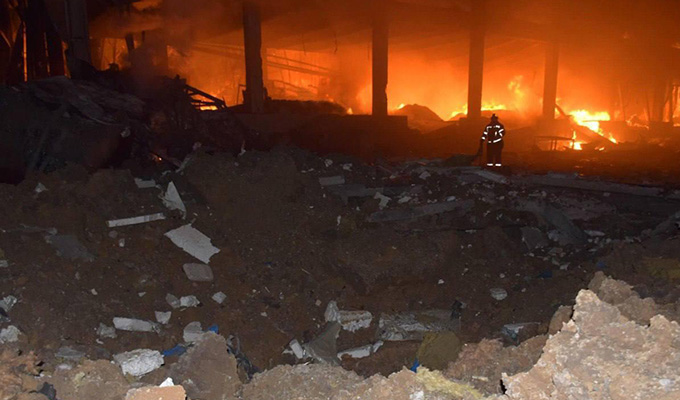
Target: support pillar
78, 30
380, 43
476, 63
552, 57
253, 97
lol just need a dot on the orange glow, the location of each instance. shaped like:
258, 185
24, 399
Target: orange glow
591, 120
402, 105
576, 145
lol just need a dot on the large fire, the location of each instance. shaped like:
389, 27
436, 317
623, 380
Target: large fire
591, 120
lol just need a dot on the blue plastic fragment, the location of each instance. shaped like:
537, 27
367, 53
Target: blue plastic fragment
213, 328
175, 351
601, 265
415, 366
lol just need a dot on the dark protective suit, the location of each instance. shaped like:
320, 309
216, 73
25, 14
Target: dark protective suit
493, 136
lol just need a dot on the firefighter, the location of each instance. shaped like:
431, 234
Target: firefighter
493, 136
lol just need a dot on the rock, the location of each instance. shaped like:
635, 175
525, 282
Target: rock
332, 180
70, 354
134, 325
189, 301
207, 371
139, 362
192, 332
350, 320
414, 325
601, 354
438, 349
533, 238
323, 348
483, 363
561, 317
101, 380
157, 393
163, 317
193, 242
498, 293
107, 332
69, 247
219, 297
10, 334
198, 272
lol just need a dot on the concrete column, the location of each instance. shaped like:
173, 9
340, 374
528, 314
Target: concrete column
78, 30
380, 58
252, 34
476, 66
552, 57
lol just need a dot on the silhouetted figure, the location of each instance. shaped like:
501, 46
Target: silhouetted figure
493, 136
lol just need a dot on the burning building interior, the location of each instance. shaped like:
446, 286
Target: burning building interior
290, 199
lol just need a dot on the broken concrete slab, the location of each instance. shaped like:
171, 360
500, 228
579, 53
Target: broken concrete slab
533, 238
207, 370
69, 247
198, 272
193, 242
134, 325
414, 325
332, 180
173, 201
552, 215
323, 348
404, 214
139, 362
157, 393
142, 219
350, 320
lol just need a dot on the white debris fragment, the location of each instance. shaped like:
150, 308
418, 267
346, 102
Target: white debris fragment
189, 301
121, 242
39, 188
440, 282
498, 293
144, 184
384, 200
105, 331
405, 199
332, 180
135, 220
134, 325
167, 383
163, 317
198, 272
595, 233
297, 349
361, 352
8, 302
425, 175
173, 200
4, 264
328, 162
219, 297
193, 242
172, 300
10, 334
347, 167
350, 320
139, 362
192, 332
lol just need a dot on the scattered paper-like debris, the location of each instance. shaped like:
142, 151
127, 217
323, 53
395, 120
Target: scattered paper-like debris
189, 301
193, 242
10, 334
139, 362
163, 317
219, 297
173, 201
135, 220
363, 351
134, 325
198, 272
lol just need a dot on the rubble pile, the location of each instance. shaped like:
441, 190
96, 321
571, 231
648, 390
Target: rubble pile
284, 257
